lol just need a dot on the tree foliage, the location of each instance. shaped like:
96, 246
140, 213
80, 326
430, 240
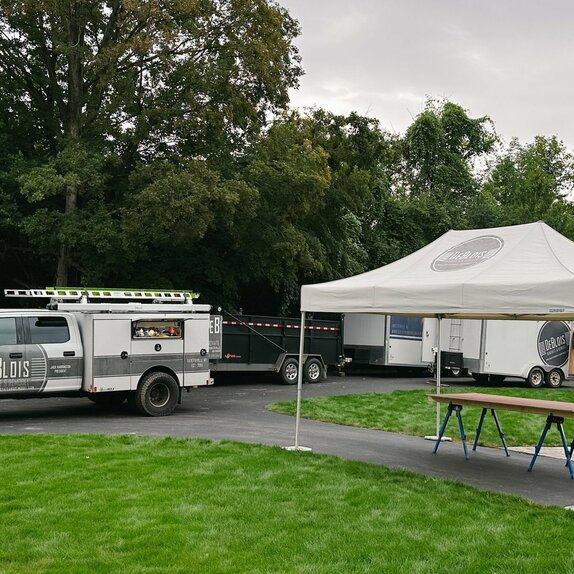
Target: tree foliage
150, 143
113, 83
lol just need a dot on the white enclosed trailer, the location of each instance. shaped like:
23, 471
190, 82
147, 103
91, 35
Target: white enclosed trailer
452, 336
383, 340
537, 351
146, 353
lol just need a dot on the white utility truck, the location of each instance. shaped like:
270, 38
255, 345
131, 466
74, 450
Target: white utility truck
110, 351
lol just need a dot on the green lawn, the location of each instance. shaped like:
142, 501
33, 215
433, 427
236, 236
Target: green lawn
410, 412
83, 504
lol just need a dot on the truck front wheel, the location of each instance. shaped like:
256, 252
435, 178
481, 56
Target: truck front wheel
289, 371
157, 395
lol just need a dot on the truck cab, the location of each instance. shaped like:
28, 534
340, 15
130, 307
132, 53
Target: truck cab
40, 352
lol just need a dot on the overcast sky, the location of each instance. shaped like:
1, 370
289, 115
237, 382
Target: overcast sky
509, 59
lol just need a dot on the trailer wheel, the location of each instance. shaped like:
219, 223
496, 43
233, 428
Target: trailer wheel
289, 371
313, 370
535, 378
554, 378
157, 395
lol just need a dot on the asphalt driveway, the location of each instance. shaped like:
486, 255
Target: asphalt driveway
236, 411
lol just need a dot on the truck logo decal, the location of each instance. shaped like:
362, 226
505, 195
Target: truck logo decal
14, 369
553, 343
468, 253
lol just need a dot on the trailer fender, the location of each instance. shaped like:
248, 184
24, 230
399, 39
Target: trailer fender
528, 368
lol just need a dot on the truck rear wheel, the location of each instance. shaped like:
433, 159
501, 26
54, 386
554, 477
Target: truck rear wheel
313, 370
554, 378
535, 378
289, 371
157, 395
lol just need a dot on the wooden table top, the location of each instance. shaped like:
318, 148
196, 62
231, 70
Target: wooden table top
536, 406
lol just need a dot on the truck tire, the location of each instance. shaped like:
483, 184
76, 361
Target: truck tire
313, 371
157, 395
289, 371
554, 378
535, 378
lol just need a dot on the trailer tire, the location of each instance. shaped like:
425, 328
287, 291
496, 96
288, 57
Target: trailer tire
554, 378
289, 371
313, 371
535, 378
157, 394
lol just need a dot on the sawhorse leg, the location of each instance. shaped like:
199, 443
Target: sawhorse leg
499, 428
559, 423
457, 409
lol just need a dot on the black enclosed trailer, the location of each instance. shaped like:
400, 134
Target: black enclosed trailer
253, 343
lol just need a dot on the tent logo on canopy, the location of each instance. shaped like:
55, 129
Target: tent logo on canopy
468, 253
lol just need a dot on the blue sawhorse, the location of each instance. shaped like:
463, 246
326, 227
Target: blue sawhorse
559, 421
457, 409
498, 427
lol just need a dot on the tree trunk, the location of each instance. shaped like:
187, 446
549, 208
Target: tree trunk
72, 124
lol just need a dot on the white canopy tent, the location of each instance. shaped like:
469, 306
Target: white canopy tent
518, 272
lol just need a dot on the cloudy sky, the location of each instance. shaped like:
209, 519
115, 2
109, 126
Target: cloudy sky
512, 60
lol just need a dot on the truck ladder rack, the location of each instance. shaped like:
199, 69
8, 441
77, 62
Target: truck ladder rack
77, 293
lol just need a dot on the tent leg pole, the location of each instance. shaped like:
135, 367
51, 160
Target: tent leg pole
438, 373
437, 436
297, 446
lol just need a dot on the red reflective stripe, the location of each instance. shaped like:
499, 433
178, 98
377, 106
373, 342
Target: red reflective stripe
312, 328
278, 325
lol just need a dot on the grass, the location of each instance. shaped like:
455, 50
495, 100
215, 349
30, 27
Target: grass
410, 412
98, 504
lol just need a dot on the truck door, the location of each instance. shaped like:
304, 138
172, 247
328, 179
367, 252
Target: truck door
196, 350
14, 366
55, 353
111, 359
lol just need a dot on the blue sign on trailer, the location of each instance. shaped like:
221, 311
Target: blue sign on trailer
406, 328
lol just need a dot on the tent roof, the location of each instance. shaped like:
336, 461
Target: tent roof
522, 271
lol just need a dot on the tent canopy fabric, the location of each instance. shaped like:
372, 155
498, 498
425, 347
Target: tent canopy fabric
518, 272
